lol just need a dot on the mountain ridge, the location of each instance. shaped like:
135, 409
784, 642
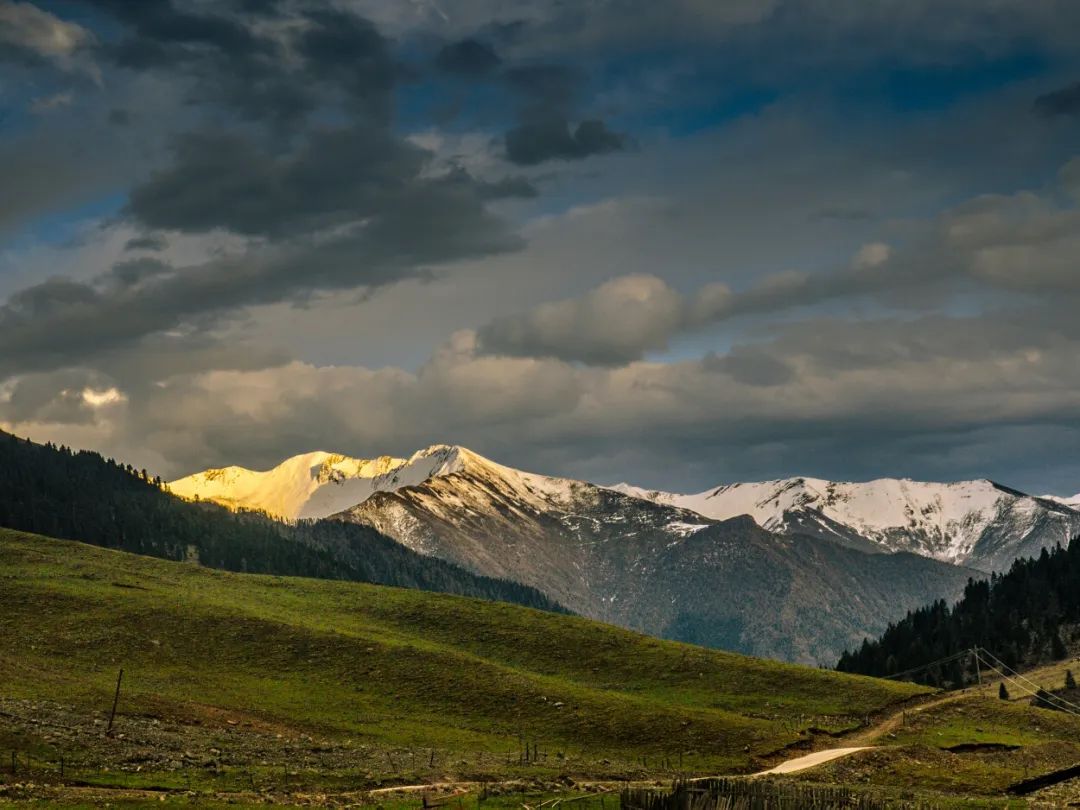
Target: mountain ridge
979, 523
658, 568
796, 568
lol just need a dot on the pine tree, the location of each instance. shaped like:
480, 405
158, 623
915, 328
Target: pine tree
1057, 647
1017, 616
1003, 693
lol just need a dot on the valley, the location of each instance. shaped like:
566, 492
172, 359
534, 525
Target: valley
230, 678
397, 669
254, 689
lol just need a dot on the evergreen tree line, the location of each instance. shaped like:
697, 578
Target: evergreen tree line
79, 495
1023, 617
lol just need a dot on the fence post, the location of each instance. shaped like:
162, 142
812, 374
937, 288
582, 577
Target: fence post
116, 698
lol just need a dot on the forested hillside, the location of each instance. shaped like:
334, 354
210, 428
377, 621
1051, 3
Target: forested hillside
81, 496
1025, 616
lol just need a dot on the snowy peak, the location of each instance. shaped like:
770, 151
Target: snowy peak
287, 489
967, 522
1073, 502
319, 484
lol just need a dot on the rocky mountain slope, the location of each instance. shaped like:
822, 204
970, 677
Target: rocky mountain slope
978, 524
655, 567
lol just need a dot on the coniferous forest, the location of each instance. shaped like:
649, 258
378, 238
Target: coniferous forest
70, 495
1023, 617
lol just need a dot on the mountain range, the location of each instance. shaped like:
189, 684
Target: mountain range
798, 569
979, 524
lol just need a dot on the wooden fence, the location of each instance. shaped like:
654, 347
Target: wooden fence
759, 794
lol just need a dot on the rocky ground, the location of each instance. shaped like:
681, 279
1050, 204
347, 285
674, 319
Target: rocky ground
64, 755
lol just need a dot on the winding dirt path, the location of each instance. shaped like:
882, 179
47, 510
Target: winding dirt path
861, 740
810, 760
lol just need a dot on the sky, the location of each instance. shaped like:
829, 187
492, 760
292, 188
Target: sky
678, 244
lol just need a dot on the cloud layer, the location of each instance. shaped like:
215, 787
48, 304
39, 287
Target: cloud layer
677, 243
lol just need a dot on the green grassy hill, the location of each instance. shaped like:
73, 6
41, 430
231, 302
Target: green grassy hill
234, 676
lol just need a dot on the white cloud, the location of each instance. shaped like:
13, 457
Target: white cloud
871, 255
24, 25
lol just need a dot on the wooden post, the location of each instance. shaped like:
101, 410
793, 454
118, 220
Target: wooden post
978, 669
116, 699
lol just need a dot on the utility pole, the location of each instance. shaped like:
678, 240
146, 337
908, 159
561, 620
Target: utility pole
978, 669
116, 699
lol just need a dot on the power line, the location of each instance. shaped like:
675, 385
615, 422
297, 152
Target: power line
1024, 684
1048, 696
945, 660
1037, 692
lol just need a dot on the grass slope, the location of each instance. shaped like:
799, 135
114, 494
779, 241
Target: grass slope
970, 744
354, 680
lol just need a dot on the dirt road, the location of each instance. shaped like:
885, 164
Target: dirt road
810, 760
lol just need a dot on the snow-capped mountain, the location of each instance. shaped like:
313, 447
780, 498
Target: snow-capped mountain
655, 567
1072, 501
314, 485
975, 523
810, 578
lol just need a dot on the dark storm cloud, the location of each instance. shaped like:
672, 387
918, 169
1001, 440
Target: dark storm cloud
553, 139
469, 57
130, 272
62, 322
161, 21
345, 49
1065, 101
150, 241
226, 180
549, 98
328, 206
751, 366
323, 55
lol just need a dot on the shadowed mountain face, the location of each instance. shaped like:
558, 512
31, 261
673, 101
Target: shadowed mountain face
655, 567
